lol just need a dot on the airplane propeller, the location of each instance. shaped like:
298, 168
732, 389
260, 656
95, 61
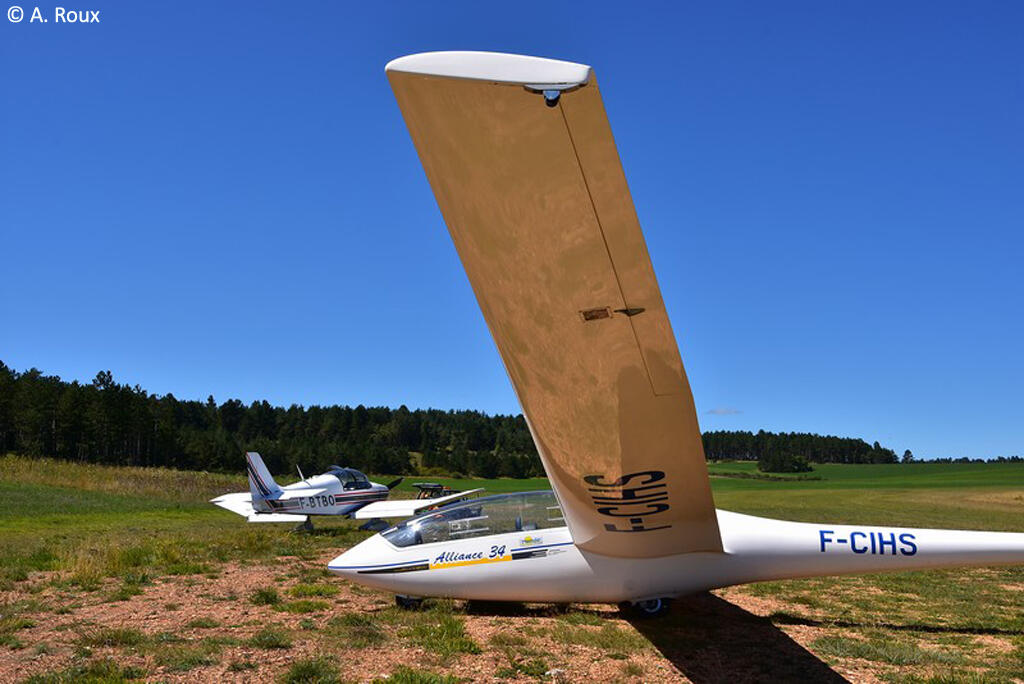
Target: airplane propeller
395, 483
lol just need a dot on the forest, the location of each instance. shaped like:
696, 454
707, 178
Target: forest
112, 423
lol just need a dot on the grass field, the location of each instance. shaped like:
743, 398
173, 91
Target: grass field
125, 573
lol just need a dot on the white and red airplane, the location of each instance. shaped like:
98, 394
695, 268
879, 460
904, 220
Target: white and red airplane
522, 162
339, 491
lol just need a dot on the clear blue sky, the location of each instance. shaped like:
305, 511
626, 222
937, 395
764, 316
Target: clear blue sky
222, 198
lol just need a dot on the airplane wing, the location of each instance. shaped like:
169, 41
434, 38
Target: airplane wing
521, 159
276, 517
406, 508
241, 503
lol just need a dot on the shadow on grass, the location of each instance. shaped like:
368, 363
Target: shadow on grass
710, 640
549, 610
790, 619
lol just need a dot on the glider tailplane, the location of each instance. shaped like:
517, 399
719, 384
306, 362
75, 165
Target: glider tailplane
261, 482
761, 549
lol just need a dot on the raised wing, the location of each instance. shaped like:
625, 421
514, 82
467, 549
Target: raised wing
406, 508
521, 158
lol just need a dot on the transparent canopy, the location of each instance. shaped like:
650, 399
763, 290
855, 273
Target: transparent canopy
521, 512
350, 478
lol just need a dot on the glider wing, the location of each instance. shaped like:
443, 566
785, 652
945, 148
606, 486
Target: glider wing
406, 508
521, 159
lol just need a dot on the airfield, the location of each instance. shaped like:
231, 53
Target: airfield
128, 573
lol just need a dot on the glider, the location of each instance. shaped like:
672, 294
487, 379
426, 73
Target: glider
521, 159
339, 491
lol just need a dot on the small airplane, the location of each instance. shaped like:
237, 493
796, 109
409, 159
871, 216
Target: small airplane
339, 491
521, 159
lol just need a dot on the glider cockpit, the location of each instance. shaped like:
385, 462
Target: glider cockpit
491, 515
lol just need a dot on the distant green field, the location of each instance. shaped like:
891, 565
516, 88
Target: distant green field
498, 486
887, 475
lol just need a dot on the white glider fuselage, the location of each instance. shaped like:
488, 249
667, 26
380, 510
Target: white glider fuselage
545, 565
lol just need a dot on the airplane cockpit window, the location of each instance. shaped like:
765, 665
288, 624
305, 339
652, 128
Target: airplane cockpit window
359, 481
479, 517
349, 478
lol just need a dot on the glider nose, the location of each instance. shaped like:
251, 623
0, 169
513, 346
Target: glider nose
363, 556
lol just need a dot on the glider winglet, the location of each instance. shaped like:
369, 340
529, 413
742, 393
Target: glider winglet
536, 73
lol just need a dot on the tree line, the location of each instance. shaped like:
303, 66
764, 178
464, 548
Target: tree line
112, 423
117, 424
774, 449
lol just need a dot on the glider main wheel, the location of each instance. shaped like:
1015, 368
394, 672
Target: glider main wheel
651, 608
408, 602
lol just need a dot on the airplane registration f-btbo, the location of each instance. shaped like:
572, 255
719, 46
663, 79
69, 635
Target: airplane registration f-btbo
521, 159
339, 491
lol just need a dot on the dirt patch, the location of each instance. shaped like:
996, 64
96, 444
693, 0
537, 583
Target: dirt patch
206, 628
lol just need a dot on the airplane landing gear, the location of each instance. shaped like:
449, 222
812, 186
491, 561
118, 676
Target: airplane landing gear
651, 608
408, 602
306, 526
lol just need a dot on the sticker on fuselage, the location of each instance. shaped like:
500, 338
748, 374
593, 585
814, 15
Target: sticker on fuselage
456, 559
872, 543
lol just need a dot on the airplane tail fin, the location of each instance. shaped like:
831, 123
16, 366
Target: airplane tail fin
261, 482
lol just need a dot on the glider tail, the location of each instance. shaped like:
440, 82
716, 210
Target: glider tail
261, 482
762, 549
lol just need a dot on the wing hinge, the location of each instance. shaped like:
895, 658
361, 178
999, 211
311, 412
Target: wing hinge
606, 312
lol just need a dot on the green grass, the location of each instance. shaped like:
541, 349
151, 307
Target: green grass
437, 628
304, 606
112, 636
885, 650
185, 657
95, 672
520, 657
265, 596
408, 675
579, 617
357, 630
271, 638
311, 590
318, 670
608, 637
92, 523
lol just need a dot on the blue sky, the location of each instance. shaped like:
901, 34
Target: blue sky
222, 199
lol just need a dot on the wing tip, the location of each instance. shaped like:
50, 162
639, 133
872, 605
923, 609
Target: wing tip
495, 67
